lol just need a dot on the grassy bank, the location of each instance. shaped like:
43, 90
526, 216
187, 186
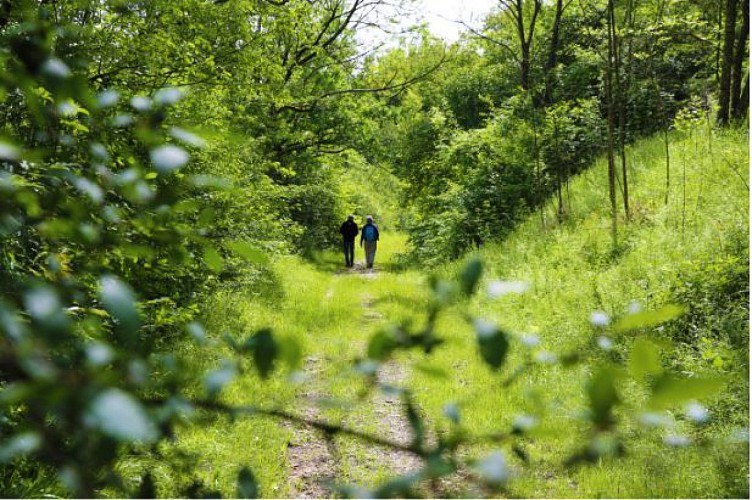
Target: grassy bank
698, 239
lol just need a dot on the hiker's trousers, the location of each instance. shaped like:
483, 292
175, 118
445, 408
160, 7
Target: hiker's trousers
349, 248
370, 248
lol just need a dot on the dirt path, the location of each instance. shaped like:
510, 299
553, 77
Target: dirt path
311, 457
314, 461
387, 406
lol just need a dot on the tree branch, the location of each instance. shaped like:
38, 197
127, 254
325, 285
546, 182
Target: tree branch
325, 427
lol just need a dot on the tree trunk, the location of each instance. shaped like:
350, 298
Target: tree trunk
744, 103
622, 86
553, 52
668, 165
724, 93
737, 111
611, 112
538, 173
515, 9
525, 68
559, 175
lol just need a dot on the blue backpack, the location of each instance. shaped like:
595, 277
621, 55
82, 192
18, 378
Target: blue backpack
369, 233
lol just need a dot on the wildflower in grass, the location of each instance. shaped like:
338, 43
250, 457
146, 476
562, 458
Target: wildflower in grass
141, 103
168, 158
56, 68
67, 109
107, 98
452, 412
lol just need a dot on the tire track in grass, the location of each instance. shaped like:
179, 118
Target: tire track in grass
387, 405
309, 455
311, 458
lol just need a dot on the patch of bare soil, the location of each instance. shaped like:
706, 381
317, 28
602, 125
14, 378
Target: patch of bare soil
361, 269
393, 421
311, 457
388, 408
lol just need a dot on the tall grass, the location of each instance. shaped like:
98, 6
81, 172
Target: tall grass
573, 270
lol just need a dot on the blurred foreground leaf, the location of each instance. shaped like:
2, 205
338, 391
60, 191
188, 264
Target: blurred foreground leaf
247, 485
120, 416
647, 319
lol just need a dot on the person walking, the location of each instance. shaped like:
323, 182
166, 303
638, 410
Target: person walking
369, 234
349, 230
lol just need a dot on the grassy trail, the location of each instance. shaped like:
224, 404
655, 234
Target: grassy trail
331, 311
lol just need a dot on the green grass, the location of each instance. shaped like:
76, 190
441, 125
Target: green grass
572, 270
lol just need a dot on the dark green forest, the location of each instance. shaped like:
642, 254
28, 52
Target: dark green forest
560, 304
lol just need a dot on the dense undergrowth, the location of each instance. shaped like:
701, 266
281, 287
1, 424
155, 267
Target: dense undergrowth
692, 251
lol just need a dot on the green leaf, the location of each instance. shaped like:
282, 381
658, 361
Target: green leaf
381, 345
670, 389
644, 359
415, 420
120, 416
248, 252
9, 152
432, 371
118, 298
168, 158
18, 445
265, 351
147, 488
493, 469
647, 319
452, 412
248, 487
493, 343
602, 394
215, 380
470, 276
213, 259
291, 352
398, 487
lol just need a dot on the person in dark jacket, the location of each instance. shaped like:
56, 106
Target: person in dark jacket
369, 234
349, 230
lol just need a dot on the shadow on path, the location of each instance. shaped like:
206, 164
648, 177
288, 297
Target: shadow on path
332, 262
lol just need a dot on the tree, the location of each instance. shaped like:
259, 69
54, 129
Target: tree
553, 50
515, 9
609, 77
727, 65
739, 94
